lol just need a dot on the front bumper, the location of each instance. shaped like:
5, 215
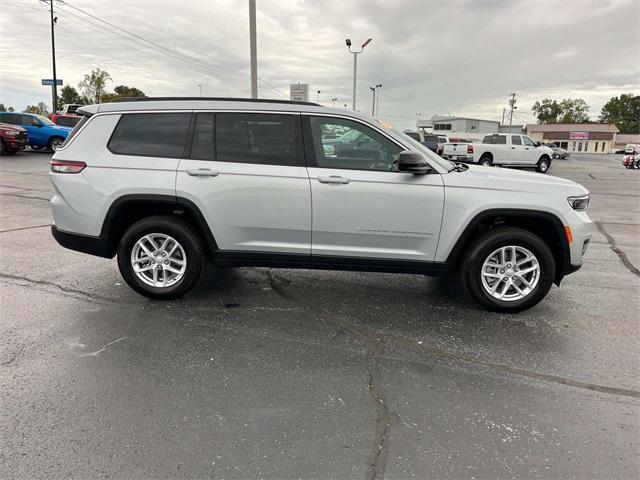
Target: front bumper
14, 144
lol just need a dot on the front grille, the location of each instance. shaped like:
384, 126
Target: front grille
22, 135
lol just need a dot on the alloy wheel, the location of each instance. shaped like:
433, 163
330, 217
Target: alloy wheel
510, 273
158, 260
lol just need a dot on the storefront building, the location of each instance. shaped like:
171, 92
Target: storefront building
577, 137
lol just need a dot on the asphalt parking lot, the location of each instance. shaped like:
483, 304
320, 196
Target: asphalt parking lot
307, 374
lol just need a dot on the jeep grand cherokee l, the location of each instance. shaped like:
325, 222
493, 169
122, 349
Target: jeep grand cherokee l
167, 184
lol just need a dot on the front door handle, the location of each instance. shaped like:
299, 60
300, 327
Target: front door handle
202, 172
334, 179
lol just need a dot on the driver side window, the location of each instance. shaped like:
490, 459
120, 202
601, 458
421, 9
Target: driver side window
528, 142
341, 143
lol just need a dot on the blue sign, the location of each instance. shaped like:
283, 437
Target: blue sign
49, 81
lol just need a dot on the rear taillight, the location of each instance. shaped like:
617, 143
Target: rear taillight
469, 149
62, 166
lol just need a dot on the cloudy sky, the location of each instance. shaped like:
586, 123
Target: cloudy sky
432, 57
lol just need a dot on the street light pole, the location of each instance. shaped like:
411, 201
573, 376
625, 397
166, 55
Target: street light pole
378, 100
333, 102
54, 100
200, 86
355, 65
254, 48
318, 97
373, 106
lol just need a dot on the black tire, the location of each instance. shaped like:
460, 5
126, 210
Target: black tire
484, 246
486, 161
3, 147
185, 234
35, 147
543, 164
55, 143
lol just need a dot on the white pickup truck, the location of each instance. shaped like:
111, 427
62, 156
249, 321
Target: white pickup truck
509, 150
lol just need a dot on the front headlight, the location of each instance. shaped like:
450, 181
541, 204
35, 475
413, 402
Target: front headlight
10, 133
579, 203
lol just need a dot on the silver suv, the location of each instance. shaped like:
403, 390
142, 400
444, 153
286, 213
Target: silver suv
168, 184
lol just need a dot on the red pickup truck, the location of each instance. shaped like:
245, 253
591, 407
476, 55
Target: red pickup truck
12, 138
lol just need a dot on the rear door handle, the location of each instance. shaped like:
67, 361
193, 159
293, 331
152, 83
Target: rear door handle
334, 179
201, 172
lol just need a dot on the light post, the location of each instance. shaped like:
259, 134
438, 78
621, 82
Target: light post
333, 102
318, 97
253, 48
378, 100
200, 86
355, 64
373, 106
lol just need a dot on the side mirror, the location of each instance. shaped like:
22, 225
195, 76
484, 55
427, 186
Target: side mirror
412, 162
537, 144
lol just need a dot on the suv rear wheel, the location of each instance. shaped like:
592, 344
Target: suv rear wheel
161, 257
508, 270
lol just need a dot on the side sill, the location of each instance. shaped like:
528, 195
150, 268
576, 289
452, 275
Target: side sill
97, 246
228, 258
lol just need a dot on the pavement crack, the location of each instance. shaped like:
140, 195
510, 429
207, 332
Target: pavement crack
278, 283
24, 228
378, 461
13, 357
95, 354
65, 290
24, 196
618, 251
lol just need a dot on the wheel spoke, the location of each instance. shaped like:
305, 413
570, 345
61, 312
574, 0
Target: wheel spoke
143, 269
523, 280
522, 261
524, 271
172, 270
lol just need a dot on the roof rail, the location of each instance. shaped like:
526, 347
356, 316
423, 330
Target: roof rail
219, 99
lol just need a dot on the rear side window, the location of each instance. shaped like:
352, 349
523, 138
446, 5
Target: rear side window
67, 121
268, 139
150, 134
78, 126
11, 118
495, 139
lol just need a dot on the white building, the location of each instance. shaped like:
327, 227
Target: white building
458, 127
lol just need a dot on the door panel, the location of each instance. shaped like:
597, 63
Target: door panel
530, 154
515, 151
250, 206
367, 208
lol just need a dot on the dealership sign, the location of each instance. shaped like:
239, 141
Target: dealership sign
578, 135
299, 92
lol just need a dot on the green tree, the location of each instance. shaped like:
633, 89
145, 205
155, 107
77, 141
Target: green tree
547, 111
624, 111
122, 91
41, 109
574, 110
569, 110
68, 95
93, 86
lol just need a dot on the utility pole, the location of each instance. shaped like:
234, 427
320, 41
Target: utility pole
512, 103
355, 65
378, 100
54, 89
254, 48
200, 86
333, 102
502, 122
318, 96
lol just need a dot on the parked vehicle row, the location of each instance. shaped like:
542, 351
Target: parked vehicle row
169, 184
42, 132
631, 161
12, 138
558, 152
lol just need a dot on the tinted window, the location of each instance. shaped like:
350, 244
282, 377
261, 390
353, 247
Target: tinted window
151, 134
369, 151
67, 121
11, 118
202, 146
495, 139
515, 140
77, 127
268, 139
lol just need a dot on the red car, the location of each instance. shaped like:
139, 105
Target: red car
65, 120
12, 138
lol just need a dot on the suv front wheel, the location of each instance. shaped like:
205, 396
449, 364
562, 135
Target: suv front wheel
161, 257
508, 270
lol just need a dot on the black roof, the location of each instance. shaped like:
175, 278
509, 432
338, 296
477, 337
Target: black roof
218, 99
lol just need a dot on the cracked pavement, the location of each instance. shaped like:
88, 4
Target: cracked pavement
264, 373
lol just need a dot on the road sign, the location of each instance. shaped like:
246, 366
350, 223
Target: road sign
299, 92
49, 81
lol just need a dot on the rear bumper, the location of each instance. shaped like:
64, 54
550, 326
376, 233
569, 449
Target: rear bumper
459, 158
97, 246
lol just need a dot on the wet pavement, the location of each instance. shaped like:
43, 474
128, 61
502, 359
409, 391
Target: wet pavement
263, 373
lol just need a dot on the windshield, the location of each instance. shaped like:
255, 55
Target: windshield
446, 164
44, 120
